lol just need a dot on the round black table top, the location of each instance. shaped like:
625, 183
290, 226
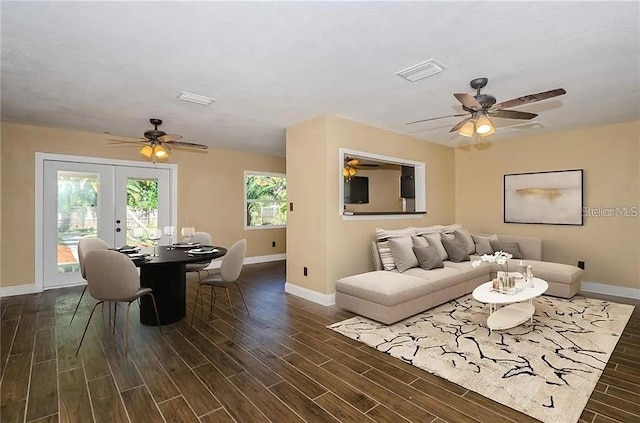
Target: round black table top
168, 254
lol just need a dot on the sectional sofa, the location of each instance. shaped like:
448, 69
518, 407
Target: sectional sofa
395, 291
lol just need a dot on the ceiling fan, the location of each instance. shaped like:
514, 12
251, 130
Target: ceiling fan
158, 144
480, 107
351, 165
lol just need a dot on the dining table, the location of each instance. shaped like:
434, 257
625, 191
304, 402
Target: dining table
166, 275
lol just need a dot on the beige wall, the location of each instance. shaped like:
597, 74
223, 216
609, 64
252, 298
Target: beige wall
210, 192
609, 155
384, 191
307, 239
335, 247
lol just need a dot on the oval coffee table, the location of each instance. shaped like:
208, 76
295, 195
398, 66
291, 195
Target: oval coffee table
519, 306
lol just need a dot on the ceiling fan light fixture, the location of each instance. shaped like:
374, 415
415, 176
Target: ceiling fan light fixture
491, 132
147, 151
467, 129
348, 172
484, 126
160, 152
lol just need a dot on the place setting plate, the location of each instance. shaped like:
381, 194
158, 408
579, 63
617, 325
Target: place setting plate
187, 245
202, 251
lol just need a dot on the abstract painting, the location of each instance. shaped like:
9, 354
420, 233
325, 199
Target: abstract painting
552, 198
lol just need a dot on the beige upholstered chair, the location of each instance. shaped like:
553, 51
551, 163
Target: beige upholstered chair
229, 273
84, 246
203, 238
112, 276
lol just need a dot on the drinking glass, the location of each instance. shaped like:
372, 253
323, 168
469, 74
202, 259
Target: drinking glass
187, 233
170, 231
155, 235
137, 234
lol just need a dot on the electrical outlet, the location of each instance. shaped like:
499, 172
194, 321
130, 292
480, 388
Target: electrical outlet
273, 244
581, 264
304, 271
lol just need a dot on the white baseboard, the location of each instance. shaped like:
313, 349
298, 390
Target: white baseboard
613, 290
10, 291
308, 294
250, 260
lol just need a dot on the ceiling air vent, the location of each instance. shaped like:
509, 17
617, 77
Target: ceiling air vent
421, 70
195, 98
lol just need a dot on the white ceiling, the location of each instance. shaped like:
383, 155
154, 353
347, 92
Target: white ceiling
110, 66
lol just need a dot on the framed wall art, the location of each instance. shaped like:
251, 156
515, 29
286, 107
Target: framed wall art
550, 198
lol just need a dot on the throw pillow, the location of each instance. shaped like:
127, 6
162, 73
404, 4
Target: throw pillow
512, 248
434, 241
402, 252
456, 250
385, 255
419, 241
465, 236
483, 245
428, 257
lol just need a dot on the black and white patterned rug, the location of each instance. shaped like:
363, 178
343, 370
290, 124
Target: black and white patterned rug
546, 369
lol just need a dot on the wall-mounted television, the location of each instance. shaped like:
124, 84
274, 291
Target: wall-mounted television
356, 190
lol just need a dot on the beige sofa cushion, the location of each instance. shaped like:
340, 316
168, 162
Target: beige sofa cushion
383, 287
438, 278
554, 272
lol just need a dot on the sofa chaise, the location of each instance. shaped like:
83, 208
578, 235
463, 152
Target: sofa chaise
389, 296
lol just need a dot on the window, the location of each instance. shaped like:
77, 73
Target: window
265, 200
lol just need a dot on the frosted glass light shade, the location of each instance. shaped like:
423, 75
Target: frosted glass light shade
160, 152
147, 151
467, 129
484, 126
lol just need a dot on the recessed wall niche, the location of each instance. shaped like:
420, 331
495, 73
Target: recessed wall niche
374, 184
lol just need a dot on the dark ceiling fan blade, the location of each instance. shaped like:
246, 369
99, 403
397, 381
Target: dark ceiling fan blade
169, 137
459, 124
125, 136
512, 114
134, 141
436, 118
186, 144
530, 98
468, 101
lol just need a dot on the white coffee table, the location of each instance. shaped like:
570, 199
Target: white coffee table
519, 307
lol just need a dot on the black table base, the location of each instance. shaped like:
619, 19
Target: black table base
168, 282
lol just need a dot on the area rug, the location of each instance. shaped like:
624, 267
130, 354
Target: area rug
546, 369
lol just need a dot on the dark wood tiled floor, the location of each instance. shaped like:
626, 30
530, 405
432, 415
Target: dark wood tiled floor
280, 365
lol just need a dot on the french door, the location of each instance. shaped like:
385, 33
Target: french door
107, 201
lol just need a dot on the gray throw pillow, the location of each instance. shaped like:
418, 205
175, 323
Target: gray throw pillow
456, 249
419, 241
428, 257
434, 241
402, 252
483, 243
512, 248
465, 237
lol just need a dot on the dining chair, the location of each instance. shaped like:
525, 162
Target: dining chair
84, 246
229, 272
202, 238
112, 276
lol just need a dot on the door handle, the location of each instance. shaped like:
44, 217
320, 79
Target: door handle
118, 221
118, 229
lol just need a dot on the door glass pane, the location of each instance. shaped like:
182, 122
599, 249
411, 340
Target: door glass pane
77, 199
142, 210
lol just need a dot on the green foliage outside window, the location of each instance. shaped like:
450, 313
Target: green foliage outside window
266, 200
